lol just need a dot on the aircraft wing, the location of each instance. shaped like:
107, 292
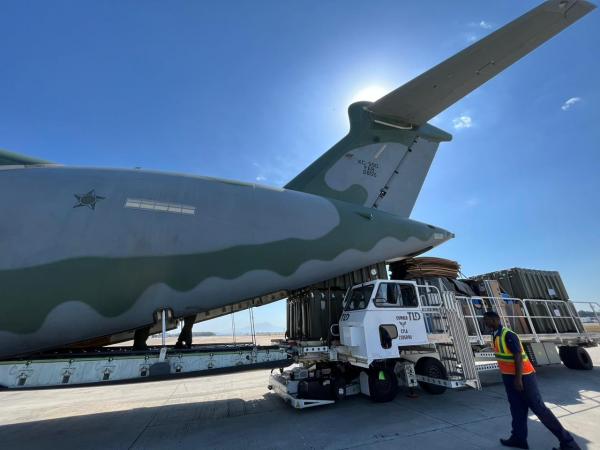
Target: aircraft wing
430, 93
15, 159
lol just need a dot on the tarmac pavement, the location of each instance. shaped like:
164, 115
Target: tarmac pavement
233, 411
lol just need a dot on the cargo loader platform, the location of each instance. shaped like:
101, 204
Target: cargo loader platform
123, 364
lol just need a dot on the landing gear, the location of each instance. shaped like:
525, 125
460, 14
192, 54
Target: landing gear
185, 337
576, 358
140, 336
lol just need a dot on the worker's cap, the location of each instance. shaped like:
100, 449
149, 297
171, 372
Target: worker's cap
491, 315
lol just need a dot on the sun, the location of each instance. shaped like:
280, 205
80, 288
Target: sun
370, 93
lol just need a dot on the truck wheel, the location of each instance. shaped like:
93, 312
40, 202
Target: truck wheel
431, 367
566, 356
383, 384
576, 358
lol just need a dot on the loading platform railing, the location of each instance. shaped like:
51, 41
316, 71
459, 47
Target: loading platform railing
455, 325
535, 320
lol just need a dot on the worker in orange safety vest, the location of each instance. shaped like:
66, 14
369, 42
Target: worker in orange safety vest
518, 375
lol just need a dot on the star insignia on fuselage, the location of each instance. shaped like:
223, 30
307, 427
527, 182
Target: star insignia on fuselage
90, 199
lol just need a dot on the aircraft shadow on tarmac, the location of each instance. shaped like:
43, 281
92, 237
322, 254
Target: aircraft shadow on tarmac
467, 419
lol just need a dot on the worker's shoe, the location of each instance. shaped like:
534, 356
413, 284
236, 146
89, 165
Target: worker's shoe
514, 443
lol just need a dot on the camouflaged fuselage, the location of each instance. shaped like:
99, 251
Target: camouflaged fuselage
92, 252
86, 253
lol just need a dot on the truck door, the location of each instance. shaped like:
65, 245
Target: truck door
396, 320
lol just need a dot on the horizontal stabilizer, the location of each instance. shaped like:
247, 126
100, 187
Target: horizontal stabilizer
15, 159
432, 92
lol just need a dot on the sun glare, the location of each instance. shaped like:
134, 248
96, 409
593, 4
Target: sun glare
370, 93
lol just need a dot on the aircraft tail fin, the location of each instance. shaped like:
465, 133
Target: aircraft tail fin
385, 157
377, 164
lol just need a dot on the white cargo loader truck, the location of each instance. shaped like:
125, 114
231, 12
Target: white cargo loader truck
396, 333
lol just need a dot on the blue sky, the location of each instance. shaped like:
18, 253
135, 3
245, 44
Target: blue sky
257, 90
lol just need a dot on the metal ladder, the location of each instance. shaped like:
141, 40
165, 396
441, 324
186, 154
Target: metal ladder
457, 355
444, 320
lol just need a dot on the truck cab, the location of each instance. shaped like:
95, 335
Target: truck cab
380, 317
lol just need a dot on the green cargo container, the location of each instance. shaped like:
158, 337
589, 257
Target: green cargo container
311, 311
528, 283
538, 285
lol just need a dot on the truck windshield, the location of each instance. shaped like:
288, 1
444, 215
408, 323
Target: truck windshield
398, 295
358, 297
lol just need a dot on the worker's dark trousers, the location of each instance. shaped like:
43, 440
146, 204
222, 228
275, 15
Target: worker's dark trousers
530, 398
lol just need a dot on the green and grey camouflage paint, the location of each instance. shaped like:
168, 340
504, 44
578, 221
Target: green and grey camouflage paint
374, 165
71, 274
86, 253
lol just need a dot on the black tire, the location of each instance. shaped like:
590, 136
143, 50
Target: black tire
431, 367
566, 356
576, 358
383, 384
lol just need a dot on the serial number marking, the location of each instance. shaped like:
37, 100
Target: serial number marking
369, 168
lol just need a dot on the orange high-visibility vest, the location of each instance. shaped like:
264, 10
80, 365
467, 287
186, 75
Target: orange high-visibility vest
506, 358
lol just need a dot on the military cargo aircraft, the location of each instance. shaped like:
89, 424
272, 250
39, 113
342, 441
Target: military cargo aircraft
90, 255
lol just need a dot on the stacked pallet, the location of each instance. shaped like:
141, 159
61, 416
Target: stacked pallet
424, 267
